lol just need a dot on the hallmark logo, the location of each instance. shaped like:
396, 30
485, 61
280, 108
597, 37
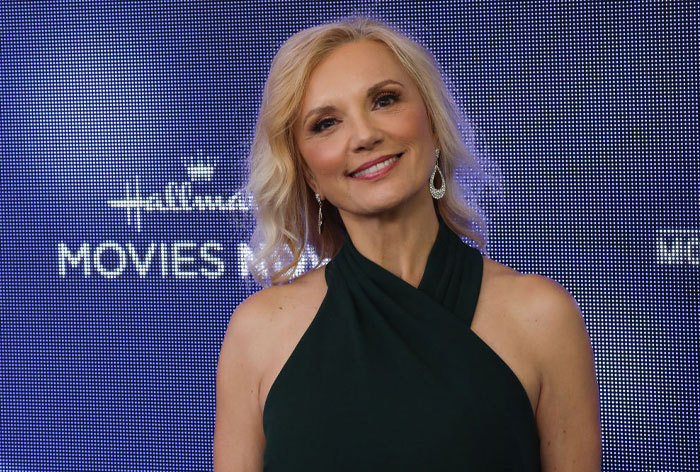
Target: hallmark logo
178, 196
177, 259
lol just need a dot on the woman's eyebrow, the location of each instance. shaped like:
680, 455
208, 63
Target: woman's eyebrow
370, 91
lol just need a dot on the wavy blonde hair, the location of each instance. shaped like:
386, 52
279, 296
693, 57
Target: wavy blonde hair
286, 211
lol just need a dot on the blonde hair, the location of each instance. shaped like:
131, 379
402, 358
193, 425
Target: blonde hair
286, 211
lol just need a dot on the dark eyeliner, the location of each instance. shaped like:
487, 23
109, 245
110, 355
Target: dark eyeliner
388, 93
316, 127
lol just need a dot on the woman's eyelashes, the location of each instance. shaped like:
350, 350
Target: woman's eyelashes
387, 98
320, 125
384, 99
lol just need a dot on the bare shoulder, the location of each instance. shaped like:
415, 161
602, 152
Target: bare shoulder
542, 308
550, 325
263, 316
251, 340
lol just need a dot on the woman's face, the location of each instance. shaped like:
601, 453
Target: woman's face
363, 132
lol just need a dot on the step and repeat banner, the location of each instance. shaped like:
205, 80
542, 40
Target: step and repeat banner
125, 128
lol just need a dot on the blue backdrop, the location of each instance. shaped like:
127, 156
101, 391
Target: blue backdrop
124, 131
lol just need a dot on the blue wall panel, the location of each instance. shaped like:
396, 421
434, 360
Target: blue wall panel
124, 129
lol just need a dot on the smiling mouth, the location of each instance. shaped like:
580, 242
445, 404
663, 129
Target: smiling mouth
377, 166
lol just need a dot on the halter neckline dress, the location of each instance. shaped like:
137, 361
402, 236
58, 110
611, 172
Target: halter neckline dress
390, 377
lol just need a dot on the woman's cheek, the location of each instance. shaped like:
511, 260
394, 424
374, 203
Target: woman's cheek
330, 159
320, 165
415, 123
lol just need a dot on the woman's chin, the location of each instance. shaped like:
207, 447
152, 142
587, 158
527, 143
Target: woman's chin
391, 206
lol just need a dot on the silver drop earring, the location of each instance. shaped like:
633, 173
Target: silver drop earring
320, 213
437, 193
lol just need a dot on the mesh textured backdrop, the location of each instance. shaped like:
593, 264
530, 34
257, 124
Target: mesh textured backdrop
124, 132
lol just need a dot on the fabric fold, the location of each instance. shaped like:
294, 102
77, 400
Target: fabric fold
390, 377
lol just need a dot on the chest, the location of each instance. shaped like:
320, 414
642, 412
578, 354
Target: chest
406, 389
494, 323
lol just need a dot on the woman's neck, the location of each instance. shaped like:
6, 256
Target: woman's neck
399, 241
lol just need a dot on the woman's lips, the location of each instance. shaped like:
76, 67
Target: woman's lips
377, 169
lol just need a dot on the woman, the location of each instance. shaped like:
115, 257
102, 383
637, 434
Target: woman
409, 350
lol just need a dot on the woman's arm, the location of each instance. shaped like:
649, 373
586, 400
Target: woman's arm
568, 409
239, 440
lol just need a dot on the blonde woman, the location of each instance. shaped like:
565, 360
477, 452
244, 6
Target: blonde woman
408, 350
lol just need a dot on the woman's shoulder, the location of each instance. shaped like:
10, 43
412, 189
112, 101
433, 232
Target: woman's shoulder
258, 332
534, 293
542, 309
269, 316
550, 332
270, 300
271, 321
272, 307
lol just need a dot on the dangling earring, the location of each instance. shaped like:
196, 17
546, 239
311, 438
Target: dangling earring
437, 193
320, 213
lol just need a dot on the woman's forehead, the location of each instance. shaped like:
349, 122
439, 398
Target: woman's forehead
351, 68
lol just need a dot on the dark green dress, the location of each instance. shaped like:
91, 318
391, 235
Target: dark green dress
389, 377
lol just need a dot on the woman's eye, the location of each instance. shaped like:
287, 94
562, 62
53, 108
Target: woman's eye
322, 125
383, 100
386, 99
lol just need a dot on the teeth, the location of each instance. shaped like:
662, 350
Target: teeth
375, 167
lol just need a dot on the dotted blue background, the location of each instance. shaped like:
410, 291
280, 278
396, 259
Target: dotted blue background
119, 276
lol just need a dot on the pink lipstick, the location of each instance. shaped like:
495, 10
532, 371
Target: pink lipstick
376, 168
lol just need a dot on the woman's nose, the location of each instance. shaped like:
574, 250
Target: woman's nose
365, 134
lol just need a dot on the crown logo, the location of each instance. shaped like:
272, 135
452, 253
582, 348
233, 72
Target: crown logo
199, 167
